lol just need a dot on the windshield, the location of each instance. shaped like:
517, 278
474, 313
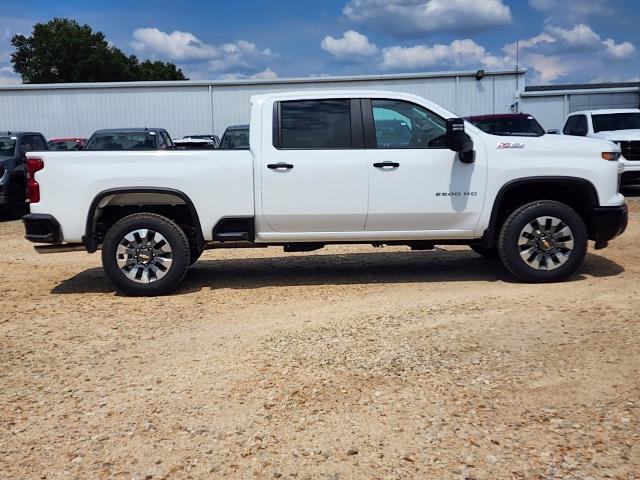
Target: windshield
66, 145
7, 146
510, 126
616, 121
235, 139
122, 141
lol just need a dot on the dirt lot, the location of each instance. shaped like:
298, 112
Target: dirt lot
346, 363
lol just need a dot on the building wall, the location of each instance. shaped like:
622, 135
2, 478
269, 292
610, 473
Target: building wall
551, 108
204, 107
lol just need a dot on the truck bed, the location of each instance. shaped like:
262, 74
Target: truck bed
219, 183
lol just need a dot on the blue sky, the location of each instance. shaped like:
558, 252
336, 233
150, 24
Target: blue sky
560, 41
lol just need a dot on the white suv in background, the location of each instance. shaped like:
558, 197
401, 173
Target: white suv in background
620, 126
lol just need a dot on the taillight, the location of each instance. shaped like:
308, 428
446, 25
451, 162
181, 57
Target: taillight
33, 189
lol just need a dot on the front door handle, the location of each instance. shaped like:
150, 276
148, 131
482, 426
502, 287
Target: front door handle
386, 165
280, 166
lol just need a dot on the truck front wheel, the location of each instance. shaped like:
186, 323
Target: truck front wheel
543, 241
145, 254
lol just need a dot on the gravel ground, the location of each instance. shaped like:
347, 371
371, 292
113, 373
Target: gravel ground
350, 362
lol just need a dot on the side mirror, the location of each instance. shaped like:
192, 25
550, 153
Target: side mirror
456, 139
553, 131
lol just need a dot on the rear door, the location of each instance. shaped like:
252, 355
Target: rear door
314, 172
415, 182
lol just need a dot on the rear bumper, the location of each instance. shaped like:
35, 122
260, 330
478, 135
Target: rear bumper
607, 223
40, 228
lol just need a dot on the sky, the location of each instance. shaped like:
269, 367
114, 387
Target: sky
560, 41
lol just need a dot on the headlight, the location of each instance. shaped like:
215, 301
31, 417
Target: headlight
611, 156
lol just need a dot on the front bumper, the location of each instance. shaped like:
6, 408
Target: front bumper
630, 178
40, 228
607, 223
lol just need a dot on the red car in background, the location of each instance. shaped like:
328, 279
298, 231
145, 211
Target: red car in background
67, 143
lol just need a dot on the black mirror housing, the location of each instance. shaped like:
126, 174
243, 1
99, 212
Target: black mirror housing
458, 140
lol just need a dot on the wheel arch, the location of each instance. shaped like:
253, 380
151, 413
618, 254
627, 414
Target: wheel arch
578, 193
91, 239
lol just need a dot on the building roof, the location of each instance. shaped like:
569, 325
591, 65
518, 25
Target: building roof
261, 81
581, 86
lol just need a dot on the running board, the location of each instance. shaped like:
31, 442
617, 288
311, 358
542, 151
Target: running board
71, 247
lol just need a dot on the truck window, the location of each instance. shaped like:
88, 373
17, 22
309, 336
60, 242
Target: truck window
162, 143
315, 124
576, 125
400, 124
37, 143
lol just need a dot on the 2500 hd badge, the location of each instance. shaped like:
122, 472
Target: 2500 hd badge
456, 194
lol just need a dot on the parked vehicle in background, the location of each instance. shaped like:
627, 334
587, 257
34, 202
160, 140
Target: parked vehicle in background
235, 137
13, 174
318, 173
508, 124
112, 139
620, 126
72, 143
195, 142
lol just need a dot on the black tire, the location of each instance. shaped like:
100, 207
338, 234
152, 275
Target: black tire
178, 251
490, 253
16, 205
525, 270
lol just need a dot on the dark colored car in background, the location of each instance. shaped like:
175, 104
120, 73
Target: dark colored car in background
13, 173
67, 144
130, 139
235, 137
508, 124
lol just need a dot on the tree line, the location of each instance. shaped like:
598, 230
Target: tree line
63, 51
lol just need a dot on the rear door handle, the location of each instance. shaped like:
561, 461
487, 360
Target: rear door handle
386, 165
280, 166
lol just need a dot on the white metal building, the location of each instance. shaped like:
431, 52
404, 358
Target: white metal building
551, 104
202, 107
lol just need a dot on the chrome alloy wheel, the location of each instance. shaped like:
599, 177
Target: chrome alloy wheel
546, 243
144, 256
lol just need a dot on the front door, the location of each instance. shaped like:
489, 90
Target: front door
314, 175
415, 182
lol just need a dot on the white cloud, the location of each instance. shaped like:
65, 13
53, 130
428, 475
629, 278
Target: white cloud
352, 44
186, 47
408, 18
8, 77
266, 74
619, 50
460, 53
558, 52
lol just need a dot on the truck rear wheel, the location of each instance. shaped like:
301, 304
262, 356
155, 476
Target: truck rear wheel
543, 241
145, 254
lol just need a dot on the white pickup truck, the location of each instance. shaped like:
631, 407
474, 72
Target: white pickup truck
329, 167
621, 126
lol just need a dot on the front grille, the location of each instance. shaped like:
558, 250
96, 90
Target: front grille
630, 150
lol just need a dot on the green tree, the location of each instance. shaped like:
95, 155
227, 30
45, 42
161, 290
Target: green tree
63, 51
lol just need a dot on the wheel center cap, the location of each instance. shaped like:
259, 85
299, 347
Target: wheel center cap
546, 244
144, 256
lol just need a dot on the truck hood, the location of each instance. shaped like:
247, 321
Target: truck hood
619, 135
